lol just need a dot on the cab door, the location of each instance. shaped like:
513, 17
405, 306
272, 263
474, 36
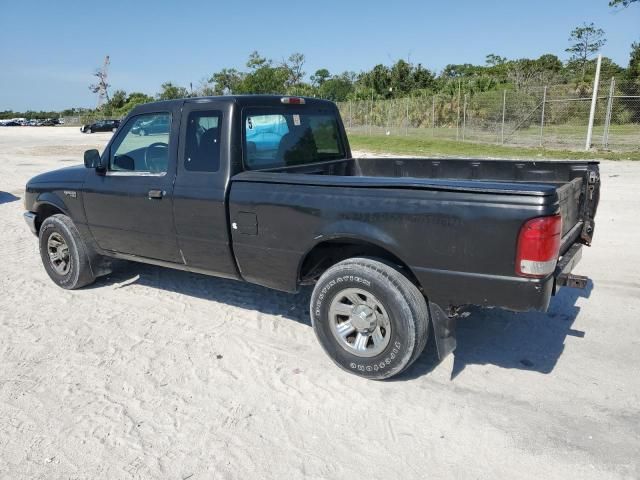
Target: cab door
129, 207
199, 195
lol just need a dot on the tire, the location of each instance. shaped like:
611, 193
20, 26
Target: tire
91, 130
78, 272
398, 304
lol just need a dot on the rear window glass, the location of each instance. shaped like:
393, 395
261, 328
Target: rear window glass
202, 145
279, 138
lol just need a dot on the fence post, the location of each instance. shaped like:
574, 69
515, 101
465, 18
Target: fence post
371, 114
544, 101
464, 116
406, 125
458, 119
504, 111
594, 99
433, 117
607, 120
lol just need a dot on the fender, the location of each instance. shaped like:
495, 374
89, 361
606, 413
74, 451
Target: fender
351, 230
357, 230
50, 198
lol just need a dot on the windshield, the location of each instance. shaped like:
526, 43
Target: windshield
284, 137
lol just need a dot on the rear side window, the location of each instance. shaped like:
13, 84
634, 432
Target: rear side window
284, 137
202, 143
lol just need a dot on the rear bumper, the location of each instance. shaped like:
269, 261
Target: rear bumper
30, 218
447, 288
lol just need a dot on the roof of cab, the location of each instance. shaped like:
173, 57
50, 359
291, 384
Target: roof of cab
242, 100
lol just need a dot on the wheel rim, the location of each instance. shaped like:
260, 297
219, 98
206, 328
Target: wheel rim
359, 322
58, 253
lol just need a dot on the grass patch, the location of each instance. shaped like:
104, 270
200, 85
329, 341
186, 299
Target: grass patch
434, 147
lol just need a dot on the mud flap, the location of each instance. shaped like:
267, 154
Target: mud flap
444, 330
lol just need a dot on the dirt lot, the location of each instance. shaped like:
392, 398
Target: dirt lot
154, 373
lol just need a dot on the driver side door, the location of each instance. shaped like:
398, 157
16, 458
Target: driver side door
129, 207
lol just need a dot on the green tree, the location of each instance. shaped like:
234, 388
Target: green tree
494, 60
227, 81
337, 88
401, 78
133, 100
523, 73
257, 61
423, 78
118, 99
587, 40
170, 91
294, 65
631, 83
378, 80
621, 3
633, 70
265, 79
318, 78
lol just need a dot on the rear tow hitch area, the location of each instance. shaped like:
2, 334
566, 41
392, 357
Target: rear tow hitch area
572, 281
564, 277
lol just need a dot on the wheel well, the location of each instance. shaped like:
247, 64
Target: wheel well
326, 254
44, 211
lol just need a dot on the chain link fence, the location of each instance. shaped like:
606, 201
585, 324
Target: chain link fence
553, 117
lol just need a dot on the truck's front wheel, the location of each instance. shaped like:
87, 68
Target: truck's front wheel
369, 318
65, 256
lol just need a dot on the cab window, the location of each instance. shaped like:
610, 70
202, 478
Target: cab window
290, 137
202, 143
140, 148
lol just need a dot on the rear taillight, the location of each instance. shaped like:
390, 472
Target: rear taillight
539, 246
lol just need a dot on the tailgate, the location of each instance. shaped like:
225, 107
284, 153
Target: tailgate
578, 201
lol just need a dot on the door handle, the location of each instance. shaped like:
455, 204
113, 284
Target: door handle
156, 194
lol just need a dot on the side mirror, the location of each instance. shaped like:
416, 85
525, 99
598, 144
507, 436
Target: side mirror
92, 158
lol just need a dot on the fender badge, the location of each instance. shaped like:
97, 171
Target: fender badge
70, 193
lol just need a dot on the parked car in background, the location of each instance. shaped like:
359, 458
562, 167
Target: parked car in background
157, 125
10, 123
101, 126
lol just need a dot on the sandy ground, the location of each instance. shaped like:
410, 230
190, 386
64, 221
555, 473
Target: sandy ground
154, 373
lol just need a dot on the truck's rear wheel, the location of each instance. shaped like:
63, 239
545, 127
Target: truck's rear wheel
65, 256
369, 318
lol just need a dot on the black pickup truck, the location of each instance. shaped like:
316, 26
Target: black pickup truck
264, 189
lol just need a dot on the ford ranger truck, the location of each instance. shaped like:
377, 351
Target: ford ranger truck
264, 189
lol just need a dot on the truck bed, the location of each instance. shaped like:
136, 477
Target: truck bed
568, 180
453, 222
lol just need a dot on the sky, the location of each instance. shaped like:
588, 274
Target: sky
50, 49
